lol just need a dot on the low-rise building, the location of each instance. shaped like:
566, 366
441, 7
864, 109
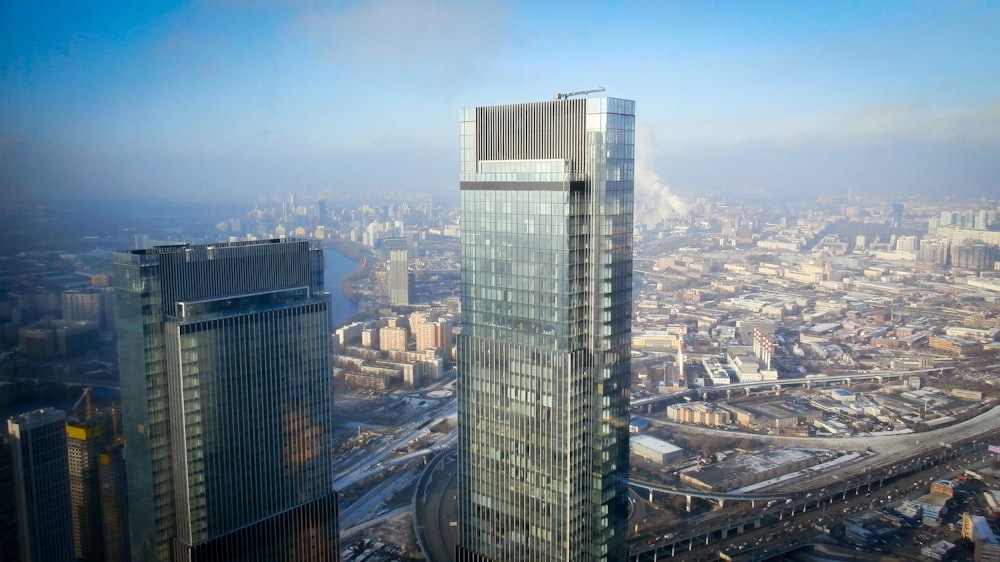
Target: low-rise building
655, 450
986, 542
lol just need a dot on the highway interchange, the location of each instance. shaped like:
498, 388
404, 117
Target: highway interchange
434, 509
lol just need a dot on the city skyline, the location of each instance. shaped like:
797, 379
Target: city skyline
223, 97
706, 271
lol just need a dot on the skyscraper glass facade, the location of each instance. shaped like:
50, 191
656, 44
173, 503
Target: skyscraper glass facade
227, 396
41, 485
544, 351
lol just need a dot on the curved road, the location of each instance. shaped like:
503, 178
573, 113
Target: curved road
436, 507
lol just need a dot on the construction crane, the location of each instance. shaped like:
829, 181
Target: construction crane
580, 93
87, 411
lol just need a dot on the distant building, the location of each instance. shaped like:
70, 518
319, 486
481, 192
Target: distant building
369, 338
945, 487
37, 342
869, 528
393, 338
348, 335
974, 255
842, 395
75, 338
956, 346
908, 244
896, 216
658, 340
751, 468
938, 550
931, 507
400, 276
637, 425
93, 304
699, 413
935, 251
655, 450
983, 536
435, 335
57, 338
41, 486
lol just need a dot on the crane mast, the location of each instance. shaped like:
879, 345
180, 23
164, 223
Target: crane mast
88, 407
561, 96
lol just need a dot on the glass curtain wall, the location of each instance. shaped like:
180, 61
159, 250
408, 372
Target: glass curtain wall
544, 350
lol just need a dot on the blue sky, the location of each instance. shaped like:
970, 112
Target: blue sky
222, 98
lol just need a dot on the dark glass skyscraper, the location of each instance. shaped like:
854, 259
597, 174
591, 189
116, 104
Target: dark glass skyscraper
226, 396
544, 351
41, 486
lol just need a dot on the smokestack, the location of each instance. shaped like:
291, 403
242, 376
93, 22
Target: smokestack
680, 362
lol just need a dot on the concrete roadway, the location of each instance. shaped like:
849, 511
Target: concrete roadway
882, 444
435, 508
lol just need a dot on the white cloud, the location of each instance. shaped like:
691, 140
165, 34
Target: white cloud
431, 32
977, 125
881, 124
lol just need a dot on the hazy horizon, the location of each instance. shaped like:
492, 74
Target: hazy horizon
214, 99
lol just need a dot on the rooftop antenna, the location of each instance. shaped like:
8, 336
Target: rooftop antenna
580, 93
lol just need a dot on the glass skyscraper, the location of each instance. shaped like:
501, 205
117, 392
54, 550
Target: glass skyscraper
226, 398
544, 350
41, 486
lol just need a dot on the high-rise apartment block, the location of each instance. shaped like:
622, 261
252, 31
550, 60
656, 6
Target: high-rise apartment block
400, 276
93, 304
226, 398
544, 350
393, 338
85, 438
41, 486
435, 334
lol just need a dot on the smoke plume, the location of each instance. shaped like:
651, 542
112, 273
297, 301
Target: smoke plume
654, 201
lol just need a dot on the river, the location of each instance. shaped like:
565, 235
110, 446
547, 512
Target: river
337, 267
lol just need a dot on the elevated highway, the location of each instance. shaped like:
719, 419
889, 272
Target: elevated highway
703, 393
899, 457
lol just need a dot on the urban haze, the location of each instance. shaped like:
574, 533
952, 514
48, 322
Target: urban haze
499, 281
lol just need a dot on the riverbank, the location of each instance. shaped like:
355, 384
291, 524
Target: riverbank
360, 254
